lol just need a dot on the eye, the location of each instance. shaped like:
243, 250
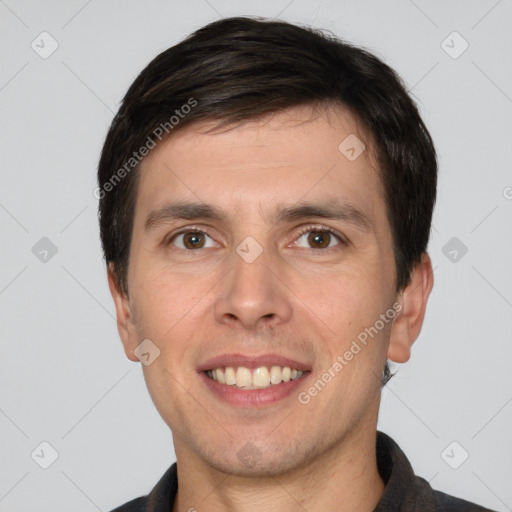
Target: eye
192, 239
318, 238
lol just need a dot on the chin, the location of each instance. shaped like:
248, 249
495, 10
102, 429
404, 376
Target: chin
265, 467
247, 459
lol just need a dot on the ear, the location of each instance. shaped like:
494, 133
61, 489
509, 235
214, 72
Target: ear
125, 324
413, 299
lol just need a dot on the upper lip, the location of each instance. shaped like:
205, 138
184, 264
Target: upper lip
235, 360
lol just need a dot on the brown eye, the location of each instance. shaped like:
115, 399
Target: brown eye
318, 239
190, 240
193, 240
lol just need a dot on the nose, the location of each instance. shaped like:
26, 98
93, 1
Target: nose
252, 295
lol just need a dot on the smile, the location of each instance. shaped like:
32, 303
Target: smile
254, 378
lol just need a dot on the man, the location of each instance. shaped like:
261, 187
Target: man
266, 194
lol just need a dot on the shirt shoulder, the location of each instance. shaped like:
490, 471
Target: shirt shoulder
160, 499
407, 492
448, 503
136, 505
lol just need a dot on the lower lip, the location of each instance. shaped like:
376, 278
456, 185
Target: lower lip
253, 397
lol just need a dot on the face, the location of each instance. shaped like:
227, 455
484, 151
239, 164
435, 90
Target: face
264, 252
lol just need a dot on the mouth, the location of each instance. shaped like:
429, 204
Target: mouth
261, 377
253, 381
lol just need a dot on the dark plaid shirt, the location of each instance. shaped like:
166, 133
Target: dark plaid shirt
404, 491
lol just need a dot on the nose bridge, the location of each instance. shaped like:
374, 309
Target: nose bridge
251, 292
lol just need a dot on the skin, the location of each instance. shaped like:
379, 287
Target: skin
296, 299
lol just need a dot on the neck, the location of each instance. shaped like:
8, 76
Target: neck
343, 478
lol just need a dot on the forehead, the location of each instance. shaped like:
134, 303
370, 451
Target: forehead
299, 153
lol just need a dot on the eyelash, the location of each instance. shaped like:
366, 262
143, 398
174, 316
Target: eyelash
306, 229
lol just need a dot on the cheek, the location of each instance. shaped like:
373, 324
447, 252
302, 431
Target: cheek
155, 306
347, 311
171, 310
171, 307
345, 301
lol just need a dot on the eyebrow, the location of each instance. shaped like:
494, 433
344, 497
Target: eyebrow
330, 209
182, 210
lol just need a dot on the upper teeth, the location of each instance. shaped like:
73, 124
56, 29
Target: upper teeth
257, 378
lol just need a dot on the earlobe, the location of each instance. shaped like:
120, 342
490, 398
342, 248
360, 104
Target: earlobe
409, 320
125, 325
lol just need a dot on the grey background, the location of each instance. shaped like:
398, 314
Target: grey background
64, 376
